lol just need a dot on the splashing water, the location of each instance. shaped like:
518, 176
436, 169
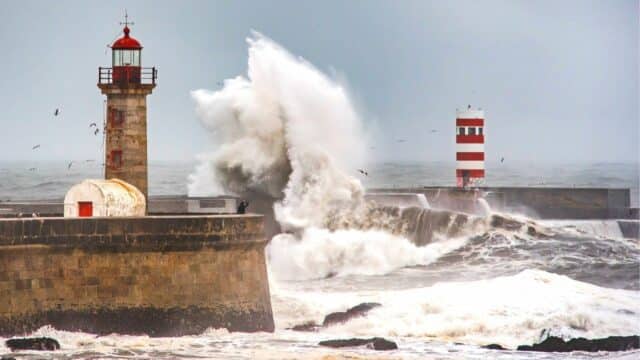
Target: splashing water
286, 130
290, 132
322, 253
509, 310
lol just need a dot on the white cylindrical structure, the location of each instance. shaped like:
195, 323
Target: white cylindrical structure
469, 147
112, 197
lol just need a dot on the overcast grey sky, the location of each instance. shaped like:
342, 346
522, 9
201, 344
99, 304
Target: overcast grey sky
558, 79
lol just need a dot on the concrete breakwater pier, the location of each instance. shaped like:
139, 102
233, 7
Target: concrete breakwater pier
543, 203
154, 275
535, 202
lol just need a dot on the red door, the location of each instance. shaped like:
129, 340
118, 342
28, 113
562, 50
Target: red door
85, 208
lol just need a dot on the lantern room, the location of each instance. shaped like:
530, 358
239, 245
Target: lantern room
125, 61
126, 50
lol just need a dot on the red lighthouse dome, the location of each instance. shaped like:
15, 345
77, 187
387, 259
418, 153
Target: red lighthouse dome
126, 63
126, 42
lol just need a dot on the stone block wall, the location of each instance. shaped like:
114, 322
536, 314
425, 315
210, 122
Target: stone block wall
161, 276
128, 134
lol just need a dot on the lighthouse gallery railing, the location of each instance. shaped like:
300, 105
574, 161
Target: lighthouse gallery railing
125, 75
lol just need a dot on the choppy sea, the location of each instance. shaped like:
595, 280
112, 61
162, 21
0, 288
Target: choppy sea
440, 301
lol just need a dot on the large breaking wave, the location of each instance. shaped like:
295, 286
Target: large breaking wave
289, 132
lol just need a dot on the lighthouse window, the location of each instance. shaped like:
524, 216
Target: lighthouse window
126, 57
461, 131
472, 131
479, 131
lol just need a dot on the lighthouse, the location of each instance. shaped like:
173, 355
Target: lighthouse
469, 147
126, 84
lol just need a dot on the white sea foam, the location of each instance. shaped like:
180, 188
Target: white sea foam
320, 253
509, 310
604, 229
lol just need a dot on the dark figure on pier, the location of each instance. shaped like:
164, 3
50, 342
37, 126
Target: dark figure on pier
242, 207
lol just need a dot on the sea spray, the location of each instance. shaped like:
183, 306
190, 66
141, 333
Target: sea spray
290, 132
286, 125
322, 253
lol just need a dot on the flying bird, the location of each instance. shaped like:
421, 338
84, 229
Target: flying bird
55, 113
96, 131
32, 169
93, 124
401, 140
89, 160
502, 160
35, 147
434, 130
363, 172
69, 166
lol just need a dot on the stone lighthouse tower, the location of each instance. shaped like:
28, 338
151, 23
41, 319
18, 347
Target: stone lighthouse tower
126, 84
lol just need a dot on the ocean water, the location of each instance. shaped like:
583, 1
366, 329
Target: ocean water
443, 300
50, 180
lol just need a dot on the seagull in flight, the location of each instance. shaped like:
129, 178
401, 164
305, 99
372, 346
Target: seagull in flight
69, 166
32, 169
35, 147
401, 140
96, 131
93, 124
57, 112
363, 172
434, 130
502, 159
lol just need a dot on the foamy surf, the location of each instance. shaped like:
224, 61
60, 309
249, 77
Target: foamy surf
509, 310
321, 253
603, 229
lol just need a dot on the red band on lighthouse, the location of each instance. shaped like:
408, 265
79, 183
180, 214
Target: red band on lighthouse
469, 147
469, 122
470, 156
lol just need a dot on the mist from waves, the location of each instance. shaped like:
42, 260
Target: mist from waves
289, 132
285, 131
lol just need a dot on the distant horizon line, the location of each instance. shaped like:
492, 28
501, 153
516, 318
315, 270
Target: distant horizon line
507, 162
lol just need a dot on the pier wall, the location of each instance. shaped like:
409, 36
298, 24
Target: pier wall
157, 275
542, 203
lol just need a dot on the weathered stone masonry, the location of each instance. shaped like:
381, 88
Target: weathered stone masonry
126, 133
162, 276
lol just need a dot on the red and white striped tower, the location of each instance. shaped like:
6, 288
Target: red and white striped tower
469, 147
